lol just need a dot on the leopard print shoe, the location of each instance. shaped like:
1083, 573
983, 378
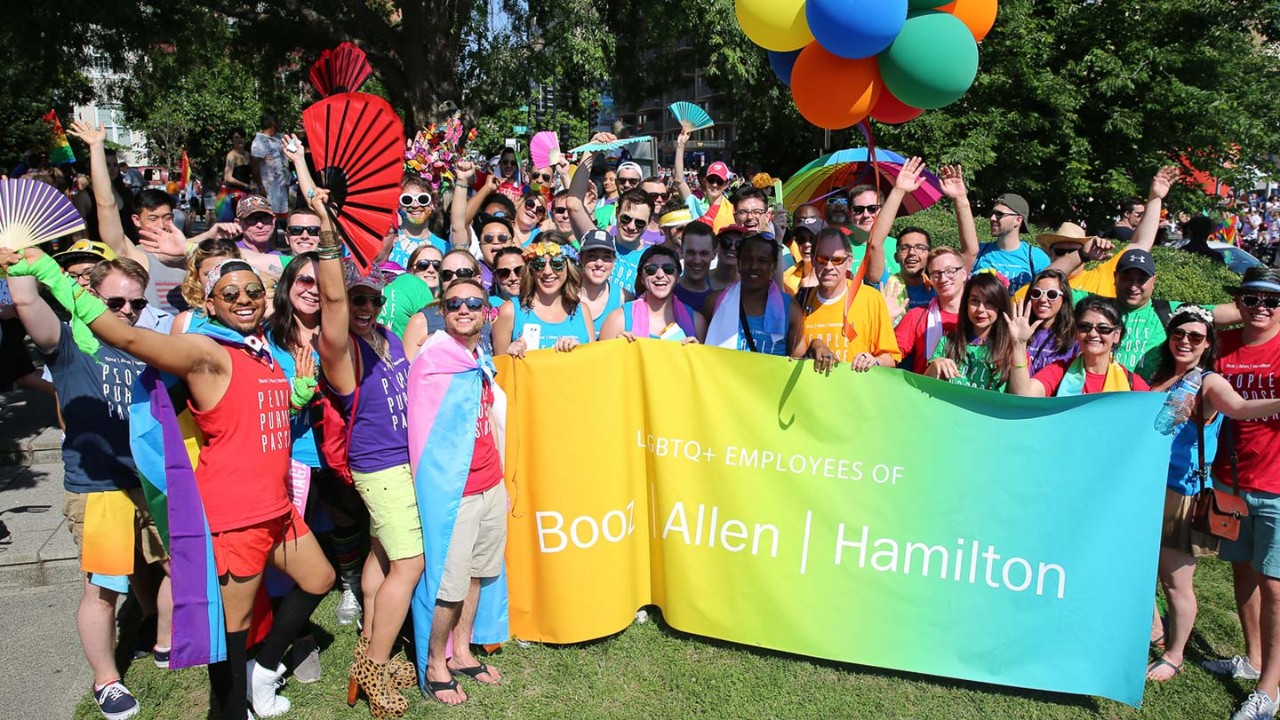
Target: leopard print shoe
403, 674
374, 680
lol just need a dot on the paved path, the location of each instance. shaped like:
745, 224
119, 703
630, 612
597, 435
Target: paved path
43, 673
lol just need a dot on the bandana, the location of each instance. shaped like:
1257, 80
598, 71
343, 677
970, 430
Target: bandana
224, 268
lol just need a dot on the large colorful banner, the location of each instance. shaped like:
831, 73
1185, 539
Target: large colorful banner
883, 518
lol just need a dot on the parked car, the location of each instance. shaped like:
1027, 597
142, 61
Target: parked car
1236, 258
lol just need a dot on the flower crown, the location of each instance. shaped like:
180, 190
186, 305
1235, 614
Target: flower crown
433, 151
549, 250
1196, 312
999, 275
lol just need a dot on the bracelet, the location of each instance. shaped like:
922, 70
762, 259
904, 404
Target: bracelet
1025, 360
329, 252
311, 193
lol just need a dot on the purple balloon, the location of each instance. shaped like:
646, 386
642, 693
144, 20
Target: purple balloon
782, 62
855, 29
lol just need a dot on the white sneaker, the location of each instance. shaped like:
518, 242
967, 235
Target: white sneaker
1237, 666
262, 687
1259, 706
348, 607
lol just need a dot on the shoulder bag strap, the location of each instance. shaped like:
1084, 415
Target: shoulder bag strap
1199, 421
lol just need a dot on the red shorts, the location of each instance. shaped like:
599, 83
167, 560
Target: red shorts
243, 552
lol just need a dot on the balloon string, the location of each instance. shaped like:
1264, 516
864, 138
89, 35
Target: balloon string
865, 128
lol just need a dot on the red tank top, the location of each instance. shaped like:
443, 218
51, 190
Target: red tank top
244, 462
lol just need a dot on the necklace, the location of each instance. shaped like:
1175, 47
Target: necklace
379, 345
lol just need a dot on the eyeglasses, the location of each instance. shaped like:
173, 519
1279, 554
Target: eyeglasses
945, 273
408, 199
1085, 328
231, 293
913, 248
634, 222
80, 275
1195, 337
861, 209
668, 269
534, 207
422, 265
460, 273
361, 300
495, 239
540, 264
1060, 251
540, 177
831, 259
313, 230
756, 213
629, 182
1050, 295
507, 272
305, 280
454, 304
116, 304
1002, 215
659, 196
1271, 302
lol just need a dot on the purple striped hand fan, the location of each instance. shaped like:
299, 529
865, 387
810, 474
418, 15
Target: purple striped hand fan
33, 212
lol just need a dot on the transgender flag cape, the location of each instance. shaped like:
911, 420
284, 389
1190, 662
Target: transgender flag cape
444, 400
166, 446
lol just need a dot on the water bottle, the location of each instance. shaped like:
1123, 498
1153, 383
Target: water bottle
1177, 406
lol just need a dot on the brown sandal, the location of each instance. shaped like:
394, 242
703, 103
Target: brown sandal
403, 674
375, 681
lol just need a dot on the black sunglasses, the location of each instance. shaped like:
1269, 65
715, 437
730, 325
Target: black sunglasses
659, 196
628, 181
460, 273
1085, 328
860, 209
116, 304
538, 264
423, 199
304, 230
1195, 337
668, 269
628, 221
540, 177
1270, 302
422, 265
495, 239
454, 304
362, 300
534, 206
506, 272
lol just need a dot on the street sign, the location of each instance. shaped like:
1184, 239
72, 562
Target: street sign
523, 108
519, 129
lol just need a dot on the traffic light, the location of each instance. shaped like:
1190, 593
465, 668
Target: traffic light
541, 105
564, 135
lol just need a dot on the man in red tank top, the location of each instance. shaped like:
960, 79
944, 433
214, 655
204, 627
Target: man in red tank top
240, 400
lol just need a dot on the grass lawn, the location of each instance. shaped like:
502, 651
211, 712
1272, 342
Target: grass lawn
650, 671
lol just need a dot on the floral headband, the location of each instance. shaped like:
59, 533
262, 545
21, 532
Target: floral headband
549, 250
999, 275
1196, 312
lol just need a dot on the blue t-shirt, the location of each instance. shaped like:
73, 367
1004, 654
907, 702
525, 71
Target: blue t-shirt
1184, 460
628, 264
573, 326
613, 303
920, 295
1019, 265
406, 244
94, 393
765, 343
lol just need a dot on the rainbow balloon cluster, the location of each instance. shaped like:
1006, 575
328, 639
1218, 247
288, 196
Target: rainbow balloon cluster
433, 151
845, 60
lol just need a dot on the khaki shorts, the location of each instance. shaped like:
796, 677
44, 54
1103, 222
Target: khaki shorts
146, 534
478, 542
1176, 533
393, 510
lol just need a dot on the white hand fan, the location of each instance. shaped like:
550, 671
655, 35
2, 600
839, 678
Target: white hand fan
691, 116
544, 149
33, 212
605, 147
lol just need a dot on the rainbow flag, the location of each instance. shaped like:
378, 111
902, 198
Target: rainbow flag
61, 152
444, 397
1229, 230
166, 448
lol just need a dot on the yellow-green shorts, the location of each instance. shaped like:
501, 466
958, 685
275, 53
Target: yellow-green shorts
393, 510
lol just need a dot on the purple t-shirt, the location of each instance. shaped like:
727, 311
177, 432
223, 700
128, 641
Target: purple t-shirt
379, 435
1042, 351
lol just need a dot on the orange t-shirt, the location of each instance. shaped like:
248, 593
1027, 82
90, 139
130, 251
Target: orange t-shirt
869, 315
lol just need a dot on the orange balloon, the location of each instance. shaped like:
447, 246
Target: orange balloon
978, 15
832, 92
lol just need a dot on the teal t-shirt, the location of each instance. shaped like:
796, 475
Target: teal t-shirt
1019, 265
976, 371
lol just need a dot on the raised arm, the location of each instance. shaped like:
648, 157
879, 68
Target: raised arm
481, 197
685, 190
1021, 329
952, 177
910, 178
1221, 397
1144, 237
336, 355
464, 173
579, 219
110, 230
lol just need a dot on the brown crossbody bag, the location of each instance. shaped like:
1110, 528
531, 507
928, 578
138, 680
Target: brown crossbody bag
1217, 512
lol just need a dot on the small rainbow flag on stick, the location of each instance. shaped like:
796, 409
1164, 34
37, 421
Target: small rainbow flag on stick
61, 152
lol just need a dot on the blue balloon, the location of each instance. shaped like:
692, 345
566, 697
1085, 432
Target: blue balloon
782, 62
855, 29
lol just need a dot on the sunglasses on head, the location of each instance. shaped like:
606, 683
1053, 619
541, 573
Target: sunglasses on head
313, 230
116, 304
506, 272
625, 220
495, 239
422, 265
408, 199
1195, 337
652, 269
868, 209
454, 304
534, 206
538, 264
460, 273
361, 300
1050, 294
231, 293
1271, 302
1085, 328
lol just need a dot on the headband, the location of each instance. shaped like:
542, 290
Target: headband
1196, 312
549, 250
224, 268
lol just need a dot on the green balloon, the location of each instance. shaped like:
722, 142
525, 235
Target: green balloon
933, 61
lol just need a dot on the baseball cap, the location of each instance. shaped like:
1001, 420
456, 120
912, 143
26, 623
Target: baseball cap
1016, 203
85, 251
251, 204
352, 277
1135, 259
718, 169
596, 240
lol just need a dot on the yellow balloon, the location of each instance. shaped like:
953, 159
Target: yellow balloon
778, 25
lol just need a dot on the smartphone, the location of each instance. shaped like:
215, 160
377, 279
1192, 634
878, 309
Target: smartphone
531, 333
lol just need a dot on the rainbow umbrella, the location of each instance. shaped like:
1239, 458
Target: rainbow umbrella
846, 168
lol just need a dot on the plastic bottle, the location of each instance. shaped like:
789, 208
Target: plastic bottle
1177, 406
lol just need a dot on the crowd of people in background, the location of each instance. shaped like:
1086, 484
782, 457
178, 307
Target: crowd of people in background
247, 298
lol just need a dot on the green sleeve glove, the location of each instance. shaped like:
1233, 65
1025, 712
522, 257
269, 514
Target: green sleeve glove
84, 306
304, 388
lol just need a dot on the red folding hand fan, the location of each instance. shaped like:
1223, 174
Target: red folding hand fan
357, 141
343, 69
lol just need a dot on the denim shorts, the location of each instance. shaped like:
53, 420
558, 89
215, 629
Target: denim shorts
1259, 541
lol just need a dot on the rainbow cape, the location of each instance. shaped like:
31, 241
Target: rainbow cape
443, 402
166, 448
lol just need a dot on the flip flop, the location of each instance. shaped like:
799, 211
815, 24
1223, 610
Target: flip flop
1177, 669
474, 673
434, 687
